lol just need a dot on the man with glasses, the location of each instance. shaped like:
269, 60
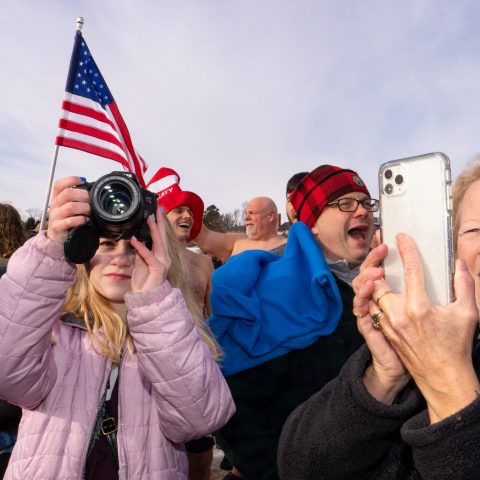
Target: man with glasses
336, 206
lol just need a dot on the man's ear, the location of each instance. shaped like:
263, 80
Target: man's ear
314, 229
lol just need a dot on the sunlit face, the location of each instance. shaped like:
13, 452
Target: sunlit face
181, 220
257, 219
111, 269
345, 235
468, 240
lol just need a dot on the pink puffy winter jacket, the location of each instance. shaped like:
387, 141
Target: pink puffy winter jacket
170, 392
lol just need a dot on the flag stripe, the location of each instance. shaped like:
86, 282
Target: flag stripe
89, 121
137, 161
89, 131
86, 111
95, 142
93, 149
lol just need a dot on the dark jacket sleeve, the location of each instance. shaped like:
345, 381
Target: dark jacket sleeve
343, 433
448, 449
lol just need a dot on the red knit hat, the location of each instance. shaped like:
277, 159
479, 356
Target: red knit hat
166, 184
321, 186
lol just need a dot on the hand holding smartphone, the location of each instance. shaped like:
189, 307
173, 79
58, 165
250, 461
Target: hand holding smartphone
415, 198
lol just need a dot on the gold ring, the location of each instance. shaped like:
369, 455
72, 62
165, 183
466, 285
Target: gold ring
358, 315
386, 292
376, 319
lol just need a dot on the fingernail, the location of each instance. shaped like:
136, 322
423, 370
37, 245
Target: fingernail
400, 237
162, 210
83, 179
133, 237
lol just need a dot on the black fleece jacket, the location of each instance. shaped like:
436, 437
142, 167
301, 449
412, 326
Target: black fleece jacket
342, 433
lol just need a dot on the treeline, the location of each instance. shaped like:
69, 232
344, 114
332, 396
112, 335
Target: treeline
223, 222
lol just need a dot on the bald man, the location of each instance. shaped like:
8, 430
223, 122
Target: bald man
261, 223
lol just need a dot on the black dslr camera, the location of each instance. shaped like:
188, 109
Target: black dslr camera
120, 208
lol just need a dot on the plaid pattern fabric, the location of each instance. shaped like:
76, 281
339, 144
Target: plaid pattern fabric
267, 394
321, 186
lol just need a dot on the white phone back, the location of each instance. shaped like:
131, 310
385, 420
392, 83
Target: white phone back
419, 203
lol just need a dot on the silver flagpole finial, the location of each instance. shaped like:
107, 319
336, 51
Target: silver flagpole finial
79, 23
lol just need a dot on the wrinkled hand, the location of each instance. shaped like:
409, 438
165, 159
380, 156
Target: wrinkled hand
69, 208
387, 375
433, 342
151, 266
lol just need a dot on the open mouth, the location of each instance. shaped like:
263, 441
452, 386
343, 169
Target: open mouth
359, 232
185, 225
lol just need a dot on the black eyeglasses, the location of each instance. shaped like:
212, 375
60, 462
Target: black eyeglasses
351, 204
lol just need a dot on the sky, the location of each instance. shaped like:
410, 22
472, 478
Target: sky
238, 95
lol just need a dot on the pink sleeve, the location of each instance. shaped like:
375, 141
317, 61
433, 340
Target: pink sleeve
32, 297
192, 394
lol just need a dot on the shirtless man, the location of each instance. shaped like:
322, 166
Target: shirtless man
184, 211
261, 222
199, 266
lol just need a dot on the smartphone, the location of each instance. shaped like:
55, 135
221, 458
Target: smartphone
415, 198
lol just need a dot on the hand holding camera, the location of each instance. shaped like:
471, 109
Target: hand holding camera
151, 265
119, 208
69, 208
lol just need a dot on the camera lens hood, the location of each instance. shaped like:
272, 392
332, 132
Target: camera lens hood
81, 244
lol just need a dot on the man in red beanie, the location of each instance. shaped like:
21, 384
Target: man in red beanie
336, 206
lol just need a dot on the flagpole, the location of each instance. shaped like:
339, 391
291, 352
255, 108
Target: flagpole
43, 221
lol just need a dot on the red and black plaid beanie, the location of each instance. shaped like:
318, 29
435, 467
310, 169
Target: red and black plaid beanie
321, 186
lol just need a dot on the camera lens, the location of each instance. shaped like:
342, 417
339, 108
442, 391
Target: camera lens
399, 179
117, 205
388, 174
115, 198
388, 188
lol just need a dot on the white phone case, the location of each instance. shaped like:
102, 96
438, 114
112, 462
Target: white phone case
415, 198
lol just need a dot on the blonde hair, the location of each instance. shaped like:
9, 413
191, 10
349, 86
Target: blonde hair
470, 175
85, 302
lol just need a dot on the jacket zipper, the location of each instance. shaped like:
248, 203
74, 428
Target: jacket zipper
95, 419
120, 418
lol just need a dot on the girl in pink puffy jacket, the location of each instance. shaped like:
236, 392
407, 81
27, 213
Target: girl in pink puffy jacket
111, 370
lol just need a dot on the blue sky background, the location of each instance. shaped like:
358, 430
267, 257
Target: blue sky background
239, 95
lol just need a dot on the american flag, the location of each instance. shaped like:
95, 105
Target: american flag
90, 119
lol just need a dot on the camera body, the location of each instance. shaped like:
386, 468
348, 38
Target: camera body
120, 208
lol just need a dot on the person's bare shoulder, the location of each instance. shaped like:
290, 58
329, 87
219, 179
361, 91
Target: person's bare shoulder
200, 261
241, 245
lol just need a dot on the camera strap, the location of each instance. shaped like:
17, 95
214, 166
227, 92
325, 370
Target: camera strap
108, 427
